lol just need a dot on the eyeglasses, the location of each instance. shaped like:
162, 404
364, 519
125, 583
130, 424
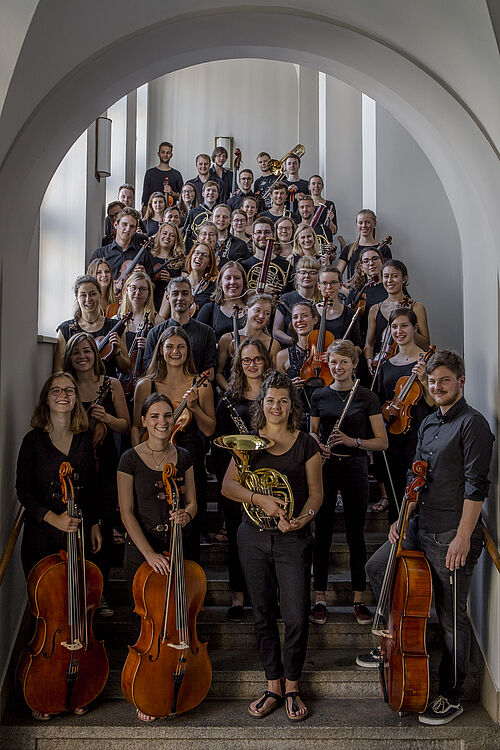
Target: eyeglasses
252, 360
56, 391
329, 283
370, 260
141, 289
304, 272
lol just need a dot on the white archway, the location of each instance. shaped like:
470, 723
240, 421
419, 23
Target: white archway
451, 138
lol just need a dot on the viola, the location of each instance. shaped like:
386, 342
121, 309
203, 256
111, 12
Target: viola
168, 670
105, 349
200, 287
407, 393
406, 595
128, 266
63, 667
315, 371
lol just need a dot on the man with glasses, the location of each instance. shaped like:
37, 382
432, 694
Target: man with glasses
279, 268
245, 179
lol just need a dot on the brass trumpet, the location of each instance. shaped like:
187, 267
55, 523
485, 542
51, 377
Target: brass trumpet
262, 481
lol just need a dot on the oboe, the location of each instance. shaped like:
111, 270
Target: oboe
239, 423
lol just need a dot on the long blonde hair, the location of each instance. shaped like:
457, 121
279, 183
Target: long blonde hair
178, 250
297, 250
149, 306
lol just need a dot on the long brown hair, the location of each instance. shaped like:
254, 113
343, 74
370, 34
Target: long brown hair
149, 209
157, 370
99, 368
211, 269
79, 421
109, 295
79, 281
238, 382
218, 295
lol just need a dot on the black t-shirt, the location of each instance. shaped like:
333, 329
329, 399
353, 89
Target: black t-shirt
154, 182
279, 271
293, 465
339, 326
328, 405
374, 295
225, 423
227, 182
302, 185
149, 509
236, 200
212, 315
386, 255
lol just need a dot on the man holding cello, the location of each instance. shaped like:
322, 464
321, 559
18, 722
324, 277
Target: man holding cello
456, 443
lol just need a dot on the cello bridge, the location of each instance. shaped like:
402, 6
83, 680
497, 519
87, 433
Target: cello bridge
75, 646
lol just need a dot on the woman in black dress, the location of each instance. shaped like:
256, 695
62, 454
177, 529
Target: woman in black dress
145, 513
82, 361
282, 555
89, 318
249, 365
345, 469
172, 373
401, 450
230, 291
60, 433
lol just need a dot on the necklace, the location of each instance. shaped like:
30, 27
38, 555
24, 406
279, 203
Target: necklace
158, 466
348, 393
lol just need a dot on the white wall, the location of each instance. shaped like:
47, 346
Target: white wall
412, 207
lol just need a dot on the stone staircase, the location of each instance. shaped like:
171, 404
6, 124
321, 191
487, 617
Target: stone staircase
345, 703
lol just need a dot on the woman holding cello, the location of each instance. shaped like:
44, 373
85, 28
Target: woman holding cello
89, 318
145, 513
104, 400
408, 361
173, 374
346, 422
59, 433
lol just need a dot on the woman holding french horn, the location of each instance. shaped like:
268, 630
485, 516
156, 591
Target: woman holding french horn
274, 539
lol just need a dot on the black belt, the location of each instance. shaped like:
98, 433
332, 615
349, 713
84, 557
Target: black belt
161, 527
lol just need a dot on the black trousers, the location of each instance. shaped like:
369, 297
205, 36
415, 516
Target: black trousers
272, 560
232, 517
350, 476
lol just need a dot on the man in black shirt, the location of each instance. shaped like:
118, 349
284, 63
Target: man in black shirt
201, 336
245, 179
264, 182
292, 165
203, 176
163, 178
217, 171
123, 248
279, 268
456, 443
277, 210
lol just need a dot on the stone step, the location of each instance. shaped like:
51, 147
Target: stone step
333, 724
328, 673
216, 553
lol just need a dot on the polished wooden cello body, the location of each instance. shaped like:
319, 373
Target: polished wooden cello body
168, 670
63, 667
405, 596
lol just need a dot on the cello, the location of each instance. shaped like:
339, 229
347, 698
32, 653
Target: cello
408, 391
168, 670
63, 667
406, 596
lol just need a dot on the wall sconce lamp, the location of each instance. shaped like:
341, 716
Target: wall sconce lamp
102, 147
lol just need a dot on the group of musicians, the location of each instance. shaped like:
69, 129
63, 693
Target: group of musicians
243, 292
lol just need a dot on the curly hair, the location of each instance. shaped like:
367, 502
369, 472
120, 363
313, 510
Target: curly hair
276, 379
238, 382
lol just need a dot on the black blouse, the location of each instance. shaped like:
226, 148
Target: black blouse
328, 405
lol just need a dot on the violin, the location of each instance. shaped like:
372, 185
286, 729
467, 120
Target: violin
182, 415
63, 667
315, 371
359, 301
105, 349
169, 199
136, 356
168, 670
128, 266
99, 429
406, 596
200, 287
408, 392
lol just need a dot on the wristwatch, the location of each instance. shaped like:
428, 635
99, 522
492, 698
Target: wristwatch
358, 442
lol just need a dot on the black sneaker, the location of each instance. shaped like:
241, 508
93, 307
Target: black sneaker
369, 661
441, 711
319, 614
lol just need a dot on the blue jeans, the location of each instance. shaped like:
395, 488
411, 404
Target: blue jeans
435, 547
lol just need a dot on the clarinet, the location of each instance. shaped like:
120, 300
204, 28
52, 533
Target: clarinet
338, 423
240, 425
